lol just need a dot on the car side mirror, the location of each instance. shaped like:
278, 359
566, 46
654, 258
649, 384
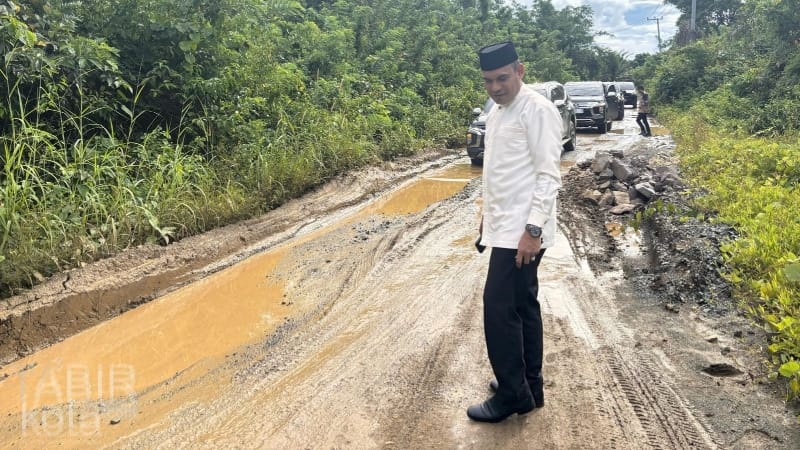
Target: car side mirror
477, 111
559, 103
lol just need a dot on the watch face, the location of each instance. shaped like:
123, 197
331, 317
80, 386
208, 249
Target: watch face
533, 230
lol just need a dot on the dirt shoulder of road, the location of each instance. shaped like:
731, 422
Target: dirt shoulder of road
75, 300
668, 255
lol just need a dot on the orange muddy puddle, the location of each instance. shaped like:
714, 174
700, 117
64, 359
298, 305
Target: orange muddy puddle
199, 322
151, 343
417, 196
614, 228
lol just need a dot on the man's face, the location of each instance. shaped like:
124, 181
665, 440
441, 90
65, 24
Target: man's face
503, 84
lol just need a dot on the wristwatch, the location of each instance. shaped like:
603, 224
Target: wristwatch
533, 230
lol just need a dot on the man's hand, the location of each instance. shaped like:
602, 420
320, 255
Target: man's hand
527, 249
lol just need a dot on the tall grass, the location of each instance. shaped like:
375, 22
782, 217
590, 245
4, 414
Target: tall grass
81, 192
86, 172
73, 190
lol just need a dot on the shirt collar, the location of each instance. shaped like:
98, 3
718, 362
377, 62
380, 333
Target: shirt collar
514, 100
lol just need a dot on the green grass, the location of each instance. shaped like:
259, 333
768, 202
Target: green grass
73, 190
751, 183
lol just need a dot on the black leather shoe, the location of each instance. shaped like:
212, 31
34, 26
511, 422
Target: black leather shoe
493, 411
537, 392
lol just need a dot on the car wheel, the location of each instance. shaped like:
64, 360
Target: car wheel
476, 162
570, 144
602, 127
608, 126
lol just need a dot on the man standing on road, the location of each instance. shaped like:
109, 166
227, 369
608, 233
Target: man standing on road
521, 178
643, 107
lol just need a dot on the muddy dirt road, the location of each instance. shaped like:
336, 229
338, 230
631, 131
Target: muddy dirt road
352, 319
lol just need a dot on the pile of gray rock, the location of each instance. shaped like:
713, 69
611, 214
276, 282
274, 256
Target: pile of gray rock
621, 187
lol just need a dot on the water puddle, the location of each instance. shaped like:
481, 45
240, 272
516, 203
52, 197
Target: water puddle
202, 321
614, 228
628, 239
415, 197
631, 242
560, 268
151, 343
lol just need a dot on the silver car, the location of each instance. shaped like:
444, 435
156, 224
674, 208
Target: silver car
551, 90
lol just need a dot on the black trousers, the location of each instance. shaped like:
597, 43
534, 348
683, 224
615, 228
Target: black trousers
512, 320
641, 120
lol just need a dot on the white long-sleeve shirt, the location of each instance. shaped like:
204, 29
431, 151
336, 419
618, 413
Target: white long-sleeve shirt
521, 170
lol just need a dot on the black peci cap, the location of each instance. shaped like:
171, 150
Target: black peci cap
497, 55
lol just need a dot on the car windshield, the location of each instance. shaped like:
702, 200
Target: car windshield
626, 86
578, 90
540, 90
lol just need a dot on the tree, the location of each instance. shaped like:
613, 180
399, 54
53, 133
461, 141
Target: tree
710, 16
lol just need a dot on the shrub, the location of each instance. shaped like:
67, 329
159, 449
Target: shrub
752, 184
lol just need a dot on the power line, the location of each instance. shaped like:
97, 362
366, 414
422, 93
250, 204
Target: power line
658, 28
655, 10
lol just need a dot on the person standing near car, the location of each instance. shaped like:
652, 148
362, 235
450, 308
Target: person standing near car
643, 108
521, 179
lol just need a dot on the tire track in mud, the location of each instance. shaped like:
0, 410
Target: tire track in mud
421, 402
302, 374
666, 420
393, 353
638, 388
645, 406
638, 383
417, 370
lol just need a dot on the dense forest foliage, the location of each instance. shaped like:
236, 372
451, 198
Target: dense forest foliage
124, 121
128, 121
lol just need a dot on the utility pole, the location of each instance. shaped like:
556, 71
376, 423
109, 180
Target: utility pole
658, 28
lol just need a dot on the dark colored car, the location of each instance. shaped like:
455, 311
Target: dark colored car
477, 132
595, 106
628, 91
613, 86
551, 90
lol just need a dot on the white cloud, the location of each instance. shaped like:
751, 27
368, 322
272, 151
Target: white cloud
627, 23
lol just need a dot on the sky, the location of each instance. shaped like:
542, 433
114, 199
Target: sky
627, 21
